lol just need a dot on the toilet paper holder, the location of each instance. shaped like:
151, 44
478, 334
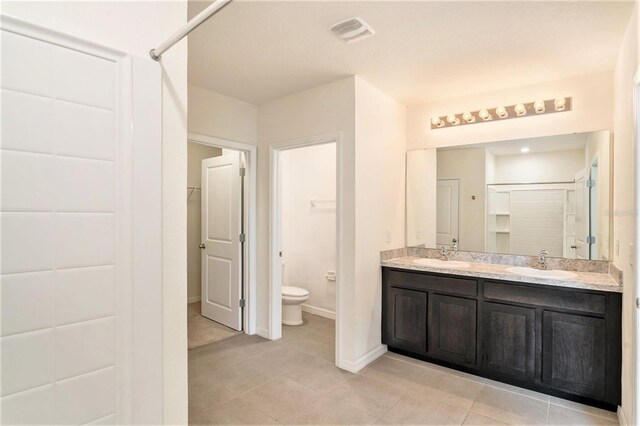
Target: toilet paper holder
330, 275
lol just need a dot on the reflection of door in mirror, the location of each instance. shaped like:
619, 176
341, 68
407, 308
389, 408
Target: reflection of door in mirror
447, 201
592, 184
582, 216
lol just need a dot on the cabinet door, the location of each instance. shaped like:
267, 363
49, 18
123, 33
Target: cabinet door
452, 329
573, 353
406, 323
509, 340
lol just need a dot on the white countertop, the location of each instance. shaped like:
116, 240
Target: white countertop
582, 280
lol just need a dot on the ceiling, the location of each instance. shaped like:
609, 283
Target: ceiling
422, 50
569, 142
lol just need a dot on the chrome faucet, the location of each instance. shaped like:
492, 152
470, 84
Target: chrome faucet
444, 253
542, 259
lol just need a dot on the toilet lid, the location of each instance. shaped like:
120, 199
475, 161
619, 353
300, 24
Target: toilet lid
294, 291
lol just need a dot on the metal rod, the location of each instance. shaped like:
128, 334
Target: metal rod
214, 7
531, 183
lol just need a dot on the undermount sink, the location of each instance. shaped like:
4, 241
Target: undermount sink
540, 273
437, 263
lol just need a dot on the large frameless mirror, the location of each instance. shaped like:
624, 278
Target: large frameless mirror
516, 197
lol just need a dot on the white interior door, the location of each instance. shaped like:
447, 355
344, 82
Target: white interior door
447, 212
221, 247
582, 216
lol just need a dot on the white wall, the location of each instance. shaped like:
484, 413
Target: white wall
624, 220
380, 206
468, 166
309, 232
421, 191
136, 27
195, 154
320, 110
558, 166
369, 222
592, 104
220, 116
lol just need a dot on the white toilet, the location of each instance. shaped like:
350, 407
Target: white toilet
292, 299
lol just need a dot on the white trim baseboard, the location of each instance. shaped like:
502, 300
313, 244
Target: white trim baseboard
321, 312
364, 360
263, 332
194, 299
621, 417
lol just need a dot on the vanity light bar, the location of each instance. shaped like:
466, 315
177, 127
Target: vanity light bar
540, 107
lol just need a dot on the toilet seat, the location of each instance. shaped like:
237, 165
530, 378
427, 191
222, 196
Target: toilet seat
289, 291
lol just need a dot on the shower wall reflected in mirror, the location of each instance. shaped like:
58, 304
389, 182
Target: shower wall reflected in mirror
515, 197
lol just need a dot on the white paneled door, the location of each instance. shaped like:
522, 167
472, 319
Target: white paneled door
71, 266
221, 245
447, 219
582, 215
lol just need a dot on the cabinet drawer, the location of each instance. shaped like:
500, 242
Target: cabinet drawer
442, 284
562, 299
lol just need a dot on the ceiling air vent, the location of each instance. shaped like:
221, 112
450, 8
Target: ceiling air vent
352, 29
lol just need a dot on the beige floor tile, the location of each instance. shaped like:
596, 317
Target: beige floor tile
584, 408
203, 331
566, 416
208, 359
318, 374
448, 387
332, 412
394, 371
223, 385
281, 398
510, 407
474, 419
518, 390
436, 367
317, 344
366, 394
234, 412
425, 410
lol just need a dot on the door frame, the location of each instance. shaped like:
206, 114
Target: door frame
249, 316
636, 255
275, 229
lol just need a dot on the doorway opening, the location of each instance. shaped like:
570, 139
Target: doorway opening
219, 209
304, 244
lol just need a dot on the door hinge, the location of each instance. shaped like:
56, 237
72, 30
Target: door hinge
242, 238
638, 302
590, 240
590, 183
242, 303
243, 171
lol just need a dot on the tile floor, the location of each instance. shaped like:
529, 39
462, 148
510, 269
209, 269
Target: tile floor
202, 331
250, 380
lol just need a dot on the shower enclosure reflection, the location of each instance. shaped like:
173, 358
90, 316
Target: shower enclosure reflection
516, 197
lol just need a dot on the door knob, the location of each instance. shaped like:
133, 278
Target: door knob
574, 247
202, 246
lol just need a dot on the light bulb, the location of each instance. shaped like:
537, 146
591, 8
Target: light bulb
539, 107
452, 119
520, 110
468, 117
436, 122
559, 104
524, 150
484, 114
502, 112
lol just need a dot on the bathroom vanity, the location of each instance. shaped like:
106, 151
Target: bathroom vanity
559, 337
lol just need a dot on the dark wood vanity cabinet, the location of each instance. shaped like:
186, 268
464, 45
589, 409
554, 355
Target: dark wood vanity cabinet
509, 340
561, 341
